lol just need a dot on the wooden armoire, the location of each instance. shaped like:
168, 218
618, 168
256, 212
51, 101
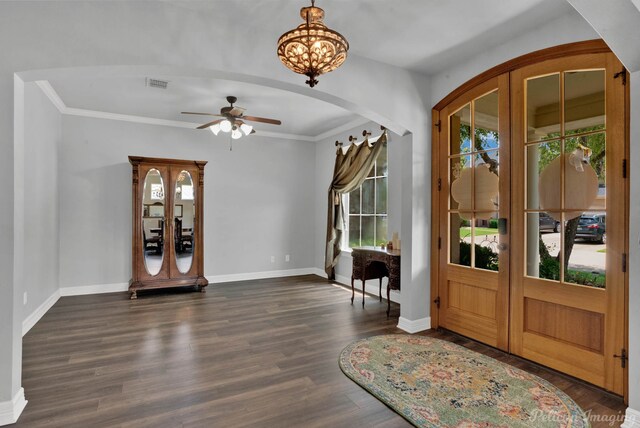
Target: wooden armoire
167, 244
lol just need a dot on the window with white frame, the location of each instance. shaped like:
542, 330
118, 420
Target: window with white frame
367, 208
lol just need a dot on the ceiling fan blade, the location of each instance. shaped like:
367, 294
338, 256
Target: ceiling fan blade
262, 119
201, 114
206, 125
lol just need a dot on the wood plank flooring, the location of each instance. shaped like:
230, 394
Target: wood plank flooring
257, 353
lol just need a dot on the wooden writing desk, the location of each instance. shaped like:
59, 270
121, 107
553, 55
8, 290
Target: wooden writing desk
376, 263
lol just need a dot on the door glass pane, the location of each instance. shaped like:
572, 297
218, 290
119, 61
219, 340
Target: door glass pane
543, 107
543, 245
585, 250
460, 177
543, 170
153, 226
184, 212
486, 184
381, 195
460, 131
486, 240
584, 101
460, 239
368, 197
381, 230
585, 173
354, 231
486, 122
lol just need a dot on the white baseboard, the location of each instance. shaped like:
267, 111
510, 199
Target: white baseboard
94, 289
372, 285
631, 419
414, 326
35, 316
216, 279
10, 411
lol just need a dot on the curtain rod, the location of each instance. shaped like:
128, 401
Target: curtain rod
353, 139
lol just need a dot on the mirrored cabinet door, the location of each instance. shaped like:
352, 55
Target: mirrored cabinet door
167, 244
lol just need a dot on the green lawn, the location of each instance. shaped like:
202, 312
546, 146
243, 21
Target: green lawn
478, 231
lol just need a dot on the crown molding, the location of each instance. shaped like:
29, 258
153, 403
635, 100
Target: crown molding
53, 96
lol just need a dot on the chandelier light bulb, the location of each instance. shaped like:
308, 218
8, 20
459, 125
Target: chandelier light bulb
225, 125
215, 128
246, 128
235, 134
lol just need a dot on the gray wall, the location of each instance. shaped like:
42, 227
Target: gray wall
42, 138
258, 198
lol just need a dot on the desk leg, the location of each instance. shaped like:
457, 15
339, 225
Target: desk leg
380, 292
388, 301
353, 290
363, 292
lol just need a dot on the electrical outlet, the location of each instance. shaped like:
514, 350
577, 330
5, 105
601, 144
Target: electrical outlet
24, 298
287, 258
273, 259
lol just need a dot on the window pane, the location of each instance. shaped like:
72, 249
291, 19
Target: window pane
460, 126
368, 223
354, 231
486, 240
543, 176
487, 182
584, 106
543, 107
381, 195
486, 122
381, 230
460, 179
354, 202
585, 250
368, 197
460, 241
543, 245
381, 163
585, 183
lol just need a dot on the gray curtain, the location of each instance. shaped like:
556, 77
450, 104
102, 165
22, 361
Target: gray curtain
349, 173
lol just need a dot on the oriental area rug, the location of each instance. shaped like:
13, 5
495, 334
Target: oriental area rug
434, 383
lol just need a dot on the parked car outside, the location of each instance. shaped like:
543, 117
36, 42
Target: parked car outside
548, 223
592, 227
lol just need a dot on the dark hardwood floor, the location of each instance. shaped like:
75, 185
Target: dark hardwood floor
257, 353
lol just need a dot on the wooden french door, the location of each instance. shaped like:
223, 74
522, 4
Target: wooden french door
474, 261
568, 149
532, 215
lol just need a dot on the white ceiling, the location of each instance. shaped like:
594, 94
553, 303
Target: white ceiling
421, 35
300, 115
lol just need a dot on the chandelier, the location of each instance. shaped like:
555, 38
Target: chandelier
236, 127
312, 49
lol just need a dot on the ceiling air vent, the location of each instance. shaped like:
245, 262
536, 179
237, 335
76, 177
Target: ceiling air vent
155, 83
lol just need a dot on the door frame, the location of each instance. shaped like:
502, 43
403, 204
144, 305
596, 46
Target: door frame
560, 51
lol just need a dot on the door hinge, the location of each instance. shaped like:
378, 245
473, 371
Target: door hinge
439, 184
624, 262
623, 358
439, 242
438, 125
437, 302
622, 73
624, 168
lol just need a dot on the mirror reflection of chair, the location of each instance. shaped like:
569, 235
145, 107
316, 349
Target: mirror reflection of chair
156, 240
183, 238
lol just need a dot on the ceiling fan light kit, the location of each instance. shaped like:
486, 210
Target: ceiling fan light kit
312, 48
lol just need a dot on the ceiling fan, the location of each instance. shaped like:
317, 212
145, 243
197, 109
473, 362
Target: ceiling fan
232, 120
